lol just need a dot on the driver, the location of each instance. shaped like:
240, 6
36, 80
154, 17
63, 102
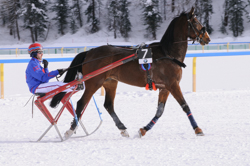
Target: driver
37, 77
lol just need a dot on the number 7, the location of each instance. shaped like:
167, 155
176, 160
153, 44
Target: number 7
146, 51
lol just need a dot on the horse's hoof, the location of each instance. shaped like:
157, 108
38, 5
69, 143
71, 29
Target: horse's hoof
198, 132
142, 132
124, 133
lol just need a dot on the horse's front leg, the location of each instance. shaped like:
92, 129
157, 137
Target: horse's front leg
176, 92
163, 95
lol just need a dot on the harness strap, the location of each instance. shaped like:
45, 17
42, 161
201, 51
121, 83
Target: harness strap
149, 80
174, 60
150, 83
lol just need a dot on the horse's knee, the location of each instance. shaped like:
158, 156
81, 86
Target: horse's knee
108, 105
185, 107
160, 110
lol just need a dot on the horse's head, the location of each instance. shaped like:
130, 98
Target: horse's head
196, 31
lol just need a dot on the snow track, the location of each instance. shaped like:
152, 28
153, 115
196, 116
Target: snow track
223, 116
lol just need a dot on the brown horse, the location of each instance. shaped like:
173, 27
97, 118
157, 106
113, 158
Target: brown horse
165, 72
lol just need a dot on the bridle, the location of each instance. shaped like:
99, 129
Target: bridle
201, 32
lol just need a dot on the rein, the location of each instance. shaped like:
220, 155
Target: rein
184, 41
57, 77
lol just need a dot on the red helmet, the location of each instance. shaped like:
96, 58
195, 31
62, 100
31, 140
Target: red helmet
34, 47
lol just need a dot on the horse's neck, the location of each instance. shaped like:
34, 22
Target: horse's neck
179, 45
179, 50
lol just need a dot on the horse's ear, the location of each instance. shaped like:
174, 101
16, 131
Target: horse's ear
191, 13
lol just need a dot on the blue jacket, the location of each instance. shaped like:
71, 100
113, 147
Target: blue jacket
36, 74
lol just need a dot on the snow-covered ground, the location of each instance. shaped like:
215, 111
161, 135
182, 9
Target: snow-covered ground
222, 114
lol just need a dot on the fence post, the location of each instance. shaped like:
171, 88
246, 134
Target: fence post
2, 79
194, 74
62, 51
227, 46
16, 51
102, 91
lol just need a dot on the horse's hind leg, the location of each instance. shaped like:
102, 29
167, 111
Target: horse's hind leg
163, 95
176, 92
110, 86
91, 87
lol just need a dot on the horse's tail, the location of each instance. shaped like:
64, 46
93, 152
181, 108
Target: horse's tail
74, 67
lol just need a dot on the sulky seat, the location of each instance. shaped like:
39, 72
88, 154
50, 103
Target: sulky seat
39, 102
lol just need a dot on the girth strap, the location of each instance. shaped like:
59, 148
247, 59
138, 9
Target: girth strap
150, 84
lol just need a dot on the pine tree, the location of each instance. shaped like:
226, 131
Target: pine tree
10, 11
172, 5
91, 16
3, 13
226, 7
76, 10
151, 17
113, 16
73, 25
208, 10
203, 11
164, 9
235, 15
99, 8
248, 11
35, 18
223, 28
124, 22
224, 19
61, 10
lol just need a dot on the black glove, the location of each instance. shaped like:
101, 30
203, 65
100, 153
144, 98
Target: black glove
45, 63
61, 71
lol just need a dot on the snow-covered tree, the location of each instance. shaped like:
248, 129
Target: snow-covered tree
35, 18
235, 15
224, 19
204, 9
208, 10
91, 16
73, 24
124, 21
10, 11
99, 8
61, 10
76, 9
118, 17
113, 16
151, 17
248, 10
172, 5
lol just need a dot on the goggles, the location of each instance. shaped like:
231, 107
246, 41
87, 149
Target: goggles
39, 51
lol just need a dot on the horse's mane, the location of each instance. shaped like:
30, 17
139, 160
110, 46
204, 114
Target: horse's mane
167, 39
